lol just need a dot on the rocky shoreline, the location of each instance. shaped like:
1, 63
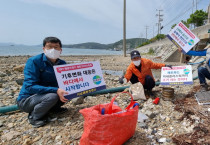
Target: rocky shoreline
164, 123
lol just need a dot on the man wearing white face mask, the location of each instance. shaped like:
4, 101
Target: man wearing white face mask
40, 93
140, 71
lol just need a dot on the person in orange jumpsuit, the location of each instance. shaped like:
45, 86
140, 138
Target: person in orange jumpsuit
139, 70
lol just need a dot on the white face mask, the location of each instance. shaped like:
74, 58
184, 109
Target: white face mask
137, 63
52, 53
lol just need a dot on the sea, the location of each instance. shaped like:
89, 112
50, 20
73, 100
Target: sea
16, 50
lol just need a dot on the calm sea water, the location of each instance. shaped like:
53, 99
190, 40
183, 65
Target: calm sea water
34, 50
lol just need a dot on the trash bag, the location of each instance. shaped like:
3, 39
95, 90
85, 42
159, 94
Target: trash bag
137, 91
108, 124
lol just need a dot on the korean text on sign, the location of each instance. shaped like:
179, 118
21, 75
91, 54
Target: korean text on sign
178, 75
80, 79
182, 37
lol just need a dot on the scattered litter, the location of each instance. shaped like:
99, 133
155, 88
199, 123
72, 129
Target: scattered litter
137, 91
156, 101
162, 140
142, 117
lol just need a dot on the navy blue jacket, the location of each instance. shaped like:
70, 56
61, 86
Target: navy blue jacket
39, 76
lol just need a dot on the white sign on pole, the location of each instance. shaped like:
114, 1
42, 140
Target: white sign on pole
178, 75
182, 37
80, 79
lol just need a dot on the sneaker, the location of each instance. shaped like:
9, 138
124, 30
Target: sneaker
36, 123
203, 87
151, 94
49, 118
60, 110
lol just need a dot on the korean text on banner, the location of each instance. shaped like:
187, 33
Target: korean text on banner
178, 75
182, 37
80, 79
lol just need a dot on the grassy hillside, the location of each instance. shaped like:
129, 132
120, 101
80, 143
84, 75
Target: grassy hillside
130, 44
88, 45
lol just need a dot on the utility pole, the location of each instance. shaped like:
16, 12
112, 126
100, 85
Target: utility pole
193, 26
208, 22
160, 19
124, 28
141, 41
195, 5
146, 27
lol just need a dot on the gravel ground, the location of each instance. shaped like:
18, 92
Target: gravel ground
174, 121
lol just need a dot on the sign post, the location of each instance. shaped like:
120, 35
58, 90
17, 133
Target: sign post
80, 79
182, 37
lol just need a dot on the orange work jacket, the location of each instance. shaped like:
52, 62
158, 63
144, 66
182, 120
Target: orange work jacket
146, 66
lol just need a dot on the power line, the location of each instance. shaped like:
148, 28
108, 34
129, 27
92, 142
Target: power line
170, 5
162, 3
185, 7
181, 14
170, 9
182, 7
149, 18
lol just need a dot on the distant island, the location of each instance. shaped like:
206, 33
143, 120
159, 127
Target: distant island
130, 44
117, 46
7, 44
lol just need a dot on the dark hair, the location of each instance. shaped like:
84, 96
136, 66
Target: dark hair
52, 40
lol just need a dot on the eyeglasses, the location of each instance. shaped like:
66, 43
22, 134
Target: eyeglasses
53, 46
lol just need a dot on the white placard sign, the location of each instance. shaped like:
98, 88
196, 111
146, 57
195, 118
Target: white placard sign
178, 75
182, 37
80, 79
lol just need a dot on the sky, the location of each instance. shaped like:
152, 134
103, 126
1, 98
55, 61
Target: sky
78, 21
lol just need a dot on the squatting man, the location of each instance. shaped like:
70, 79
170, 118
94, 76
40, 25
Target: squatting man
40, 93
139, 70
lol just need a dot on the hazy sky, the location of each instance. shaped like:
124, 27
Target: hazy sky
78, 21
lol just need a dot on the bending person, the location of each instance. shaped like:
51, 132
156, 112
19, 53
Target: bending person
139, 70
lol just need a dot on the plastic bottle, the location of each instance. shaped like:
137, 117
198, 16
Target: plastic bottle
102, 111
156, 101
136, 104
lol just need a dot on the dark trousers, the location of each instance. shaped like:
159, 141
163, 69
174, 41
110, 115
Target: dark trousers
38, 105
203, 73
149, 81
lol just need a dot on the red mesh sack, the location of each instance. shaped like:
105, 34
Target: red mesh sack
115, 127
